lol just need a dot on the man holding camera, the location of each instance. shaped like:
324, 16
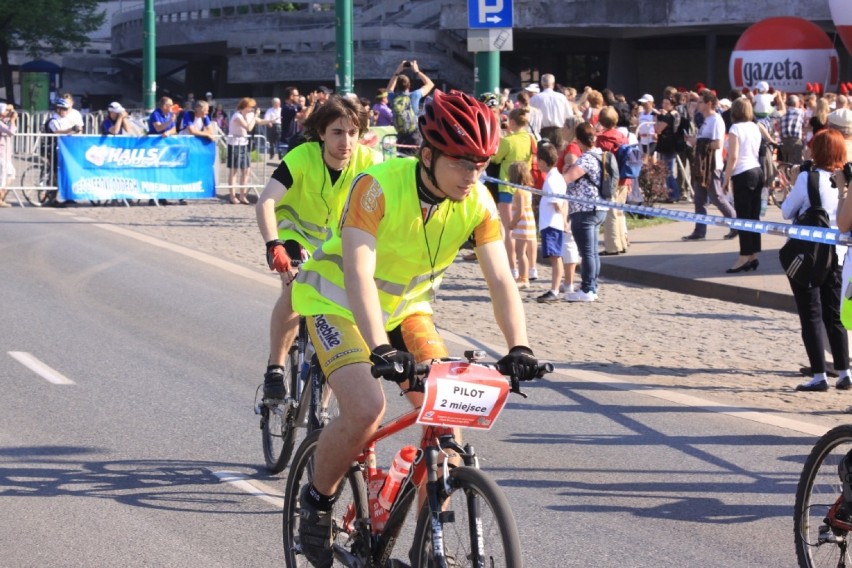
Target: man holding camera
405, 105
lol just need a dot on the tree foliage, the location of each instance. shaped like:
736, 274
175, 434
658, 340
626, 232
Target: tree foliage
43, 27
48, 26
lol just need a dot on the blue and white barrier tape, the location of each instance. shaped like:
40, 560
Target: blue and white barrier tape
813, 234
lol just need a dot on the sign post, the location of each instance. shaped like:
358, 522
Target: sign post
489, 32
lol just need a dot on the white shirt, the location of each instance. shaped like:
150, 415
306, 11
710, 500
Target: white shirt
713, 128
239, 127
548, 216
554, 107
74, 117
748, 135
273, 114
798, 202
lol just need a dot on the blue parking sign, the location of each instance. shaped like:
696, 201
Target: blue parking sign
489, 14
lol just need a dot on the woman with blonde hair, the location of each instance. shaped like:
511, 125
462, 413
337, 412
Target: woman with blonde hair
517, 146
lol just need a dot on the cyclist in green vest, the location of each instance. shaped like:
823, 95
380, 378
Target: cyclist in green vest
367, 291
300, 206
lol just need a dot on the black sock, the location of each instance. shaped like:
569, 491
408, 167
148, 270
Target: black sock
318, 500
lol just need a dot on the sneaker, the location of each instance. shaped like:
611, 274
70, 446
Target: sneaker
547, 298
4, 204
731, 234
515, 273
843, 384
523, 284
533, 274
314, 532
692, 237
273, 384
580, 296
572, 288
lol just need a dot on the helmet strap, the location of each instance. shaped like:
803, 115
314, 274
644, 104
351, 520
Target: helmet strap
427, 195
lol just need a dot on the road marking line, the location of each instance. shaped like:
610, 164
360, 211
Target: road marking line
252, 487
39, 368
255, 275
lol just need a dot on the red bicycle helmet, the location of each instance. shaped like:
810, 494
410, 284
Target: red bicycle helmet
458, 125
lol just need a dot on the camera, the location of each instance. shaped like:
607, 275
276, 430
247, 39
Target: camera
847, 171
406, 63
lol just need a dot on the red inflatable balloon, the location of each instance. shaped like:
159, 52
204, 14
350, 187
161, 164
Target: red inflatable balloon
787, 53
841, 14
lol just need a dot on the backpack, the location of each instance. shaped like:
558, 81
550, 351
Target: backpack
685, 128
609, 175
807, 263
404, 117
538, 176
629, 158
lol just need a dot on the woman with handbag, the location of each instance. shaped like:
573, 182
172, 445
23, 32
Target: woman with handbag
818, 304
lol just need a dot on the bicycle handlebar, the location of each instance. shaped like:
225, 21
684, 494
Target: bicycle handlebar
422, 371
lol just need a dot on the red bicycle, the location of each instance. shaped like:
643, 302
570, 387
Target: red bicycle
464, 519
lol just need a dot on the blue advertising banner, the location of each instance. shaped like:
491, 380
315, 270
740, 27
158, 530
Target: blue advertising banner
128, 167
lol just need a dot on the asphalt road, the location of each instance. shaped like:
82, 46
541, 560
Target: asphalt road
128, 463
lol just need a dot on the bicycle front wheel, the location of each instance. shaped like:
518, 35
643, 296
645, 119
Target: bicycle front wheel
350, 503
478, 525
279, 420
819, 489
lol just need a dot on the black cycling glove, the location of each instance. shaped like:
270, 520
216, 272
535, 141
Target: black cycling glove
384, 356
519, 363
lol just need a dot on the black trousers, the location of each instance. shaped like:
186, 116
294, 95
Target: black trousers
821, 307
748, 186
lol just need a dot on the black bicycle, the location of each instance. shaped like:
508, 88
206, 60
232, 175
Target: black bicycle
822, 521
308, 403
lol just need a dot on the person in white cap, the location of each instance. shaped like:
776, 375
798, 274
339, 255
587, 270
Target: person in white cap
114, 122
763, 100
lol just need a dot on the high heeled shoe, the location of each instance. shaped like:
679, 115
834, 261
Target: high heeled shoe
745, 267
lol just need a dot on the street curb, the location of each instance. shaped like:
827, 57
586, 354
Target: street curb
704, 289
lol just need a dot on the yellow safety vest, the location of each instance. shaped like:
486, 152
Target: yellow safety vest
310, 210
407, 270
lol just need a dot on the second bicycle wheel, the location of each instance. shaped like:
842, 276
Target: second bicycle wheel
350, 503
818, 490
475, 504
37, 176
278, 420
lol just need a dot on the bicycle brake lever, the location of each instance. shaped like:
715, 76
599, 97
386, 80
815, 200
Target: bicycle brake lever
516, 387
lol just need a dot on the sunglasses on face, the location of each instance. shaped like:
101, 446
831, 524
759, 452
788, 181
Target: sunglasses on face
466, 165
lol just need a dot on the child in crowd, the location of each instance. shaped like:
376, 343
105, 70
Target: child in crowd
552, 217
523, 222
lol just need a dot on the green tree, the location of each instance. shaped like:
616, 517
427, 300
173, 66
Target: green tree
43, 27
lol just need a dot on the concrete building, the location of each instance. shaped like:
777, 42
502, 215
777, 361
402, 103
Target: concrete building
247, 47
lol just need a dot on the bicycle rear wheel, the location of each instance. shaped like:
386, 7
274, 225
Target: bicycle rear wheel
278, 421
478, 525
37, 176
350, 504
818, 490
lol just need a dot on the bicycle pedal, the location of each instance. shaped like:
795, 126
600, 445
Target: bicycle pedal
447, 516
827, 536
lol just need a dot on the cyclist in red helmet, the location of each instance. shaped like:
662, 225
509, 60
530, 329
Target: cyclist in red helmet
367, 291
